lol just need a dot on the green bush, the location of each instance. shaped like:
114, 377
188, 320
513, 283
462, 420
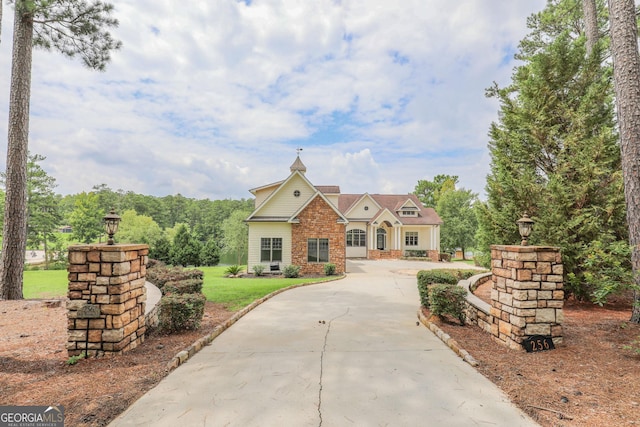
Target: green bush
412, 253
329, 269
291, 271
437, 276
447, 299
427, 278
233, 270
258, 269
186, 286
180, 312
161, 274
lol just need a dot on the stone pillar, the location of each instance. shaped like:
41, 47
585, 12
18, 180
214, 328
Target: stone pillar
527, 295
107, 297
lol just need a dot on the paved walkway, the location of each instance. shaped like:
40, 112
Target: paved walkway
345, 353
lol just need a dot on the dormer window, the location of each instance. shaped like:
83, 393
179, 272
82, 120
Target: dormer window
408, 213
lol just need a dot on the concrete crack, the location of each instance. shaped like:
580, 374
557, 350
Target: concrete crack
324, 348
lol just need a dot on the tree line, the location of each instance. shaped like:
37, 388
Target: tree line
179, 230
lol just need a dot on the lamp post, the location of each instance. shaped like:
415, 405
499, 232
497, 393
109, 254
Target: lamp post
525, 225
111, 221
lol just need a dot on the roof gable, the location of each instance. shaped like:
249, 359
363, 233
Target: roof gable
342, 219
284, 201
363, 207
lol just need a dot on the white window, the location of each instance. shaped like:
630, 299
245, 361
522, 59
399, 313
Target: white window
356, 238
270, 249
411, 238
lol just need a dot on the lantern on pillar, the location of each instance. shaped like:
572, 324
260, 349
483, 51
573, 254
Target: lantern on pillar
525, 226
111, 221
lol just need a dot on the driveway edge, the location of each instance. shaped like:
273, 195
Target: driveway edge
446, 338
194, 348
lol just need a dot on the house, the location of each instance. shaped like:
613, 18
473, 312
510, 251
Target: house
296, 222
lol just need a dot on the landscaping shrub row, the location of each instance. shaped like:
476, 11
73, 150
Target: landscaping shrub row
439, 291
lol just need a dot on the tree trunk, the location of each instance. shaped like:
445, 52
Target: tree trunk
626, 74
590, 24
15, 214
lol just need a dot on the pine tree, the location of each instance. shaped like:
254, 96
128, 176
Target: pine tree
74, 28
554, 149
626, 66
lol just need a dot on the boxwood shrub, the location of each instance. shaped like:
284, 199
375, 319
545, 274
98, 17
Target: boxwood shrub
447, 299
179, 312
187, 286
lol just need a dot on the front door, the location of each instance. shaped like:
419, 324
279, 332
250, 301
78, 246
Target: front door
381, 241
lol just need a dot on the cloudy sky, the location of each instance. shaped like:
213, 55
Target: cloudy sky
211, 98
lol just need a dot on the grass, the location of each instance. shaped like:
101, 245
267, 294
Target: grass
45, 284
235, 294
463, 261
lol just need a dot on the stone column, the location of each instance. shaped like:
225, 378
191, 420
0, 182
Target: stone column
107, 297
527, 296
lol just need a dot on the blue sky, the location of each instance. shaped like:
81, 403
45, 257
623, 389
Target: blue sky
213, 99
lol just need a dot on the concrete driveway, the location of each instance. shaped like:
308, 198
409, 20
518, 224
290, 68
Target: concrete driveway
345, 353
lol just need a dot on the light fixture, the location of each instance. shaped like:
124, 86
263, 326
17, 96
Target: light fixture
525, 225
111, 221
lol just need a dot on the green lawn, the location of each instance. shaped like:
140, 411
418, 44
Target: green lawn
239, 292
45, 284
234, 293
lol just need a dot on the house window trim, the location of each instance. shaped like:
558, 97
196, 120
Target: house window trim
318, 249
356, 235
271, 249
411, 239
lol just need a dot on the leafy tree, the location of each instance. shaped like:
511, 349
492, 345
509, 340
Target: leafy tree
136, 228
429, 191
554, 151
458, 230
236, 235
626, 67
210, 254
186, 248
74, 28
86, 218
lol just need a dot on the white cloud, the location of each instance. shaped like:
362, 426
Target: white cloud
210, 99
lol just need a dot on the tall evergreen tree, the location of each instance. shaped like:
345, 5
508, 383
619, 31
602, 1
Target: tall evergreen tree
626, 66
554, 151
74, 28
43, 208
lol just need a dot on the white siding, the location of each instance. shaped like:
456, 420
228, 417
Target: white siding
284, 203
262, 195
358, 210
257, 230
333, 198
428, 238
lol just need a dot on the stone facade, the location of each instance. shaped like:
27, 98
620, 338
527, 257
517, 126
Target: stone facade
388, 254
318, 220
107, 295
527, 294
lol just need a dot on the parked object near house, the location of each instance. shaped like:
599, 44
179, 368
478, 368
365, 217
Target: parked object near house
296, 222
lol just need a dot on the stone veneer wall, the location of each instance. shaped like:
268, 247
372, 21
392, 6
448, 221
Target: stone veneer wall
110, 281
527, 295
318, 220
